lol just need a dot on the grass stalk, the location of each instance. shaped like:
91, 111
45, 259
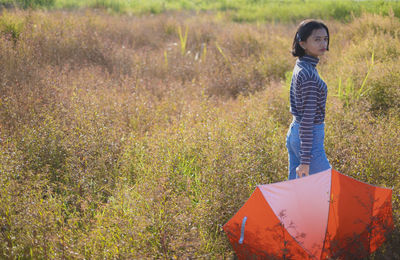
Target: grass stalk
226, 58
183, 39
370, 67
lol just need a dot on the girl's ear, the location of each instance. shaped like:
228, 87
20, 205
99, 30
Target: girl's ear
302, 45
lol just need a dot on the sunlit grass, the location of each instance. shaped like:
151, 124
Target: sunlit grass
140, 136
236, 10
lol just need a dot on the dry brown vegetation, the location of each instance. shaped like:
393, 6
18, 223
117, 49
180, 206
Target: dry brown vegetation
121, 139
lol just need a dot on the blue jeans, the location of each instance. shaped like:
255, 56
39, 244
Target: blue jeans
319, 161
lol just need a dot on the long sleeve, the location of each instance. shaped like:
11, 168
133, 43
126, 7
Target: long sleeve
309, 92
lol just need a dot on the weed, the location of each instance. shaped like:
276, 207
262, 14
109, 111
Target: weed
115, 145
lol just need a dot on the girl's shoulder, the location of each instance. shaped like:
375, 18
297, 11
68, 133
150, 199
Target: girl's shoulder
304, 65
304, 71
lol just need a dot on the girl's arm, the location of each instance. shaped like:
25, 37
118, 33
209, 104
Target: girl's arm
309, 92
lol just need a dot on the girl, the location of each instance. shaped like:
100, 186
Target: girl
308, 92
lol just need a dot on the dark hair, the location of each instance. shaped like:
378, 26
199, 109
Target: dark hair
304, 30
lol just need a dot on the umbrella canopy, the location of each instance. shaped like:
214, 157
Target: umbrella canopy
323, 215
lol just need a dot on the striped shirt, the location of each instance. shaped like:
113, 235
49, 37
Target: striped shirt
308, 94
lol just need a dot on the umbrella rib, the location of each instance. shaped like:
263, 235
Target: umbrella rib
327, 220
294, 239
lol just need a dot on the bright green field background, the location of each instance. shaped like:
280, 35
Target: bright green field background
237, 10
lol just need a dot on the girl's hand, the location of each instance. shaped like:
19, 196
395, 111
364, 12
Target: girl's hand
303, 170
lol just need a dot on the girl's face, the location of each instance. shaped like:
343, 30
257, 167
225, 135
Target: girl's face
316, 43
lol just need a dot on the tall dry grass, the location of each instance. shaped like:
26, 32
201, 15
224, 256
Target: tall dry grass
120, 139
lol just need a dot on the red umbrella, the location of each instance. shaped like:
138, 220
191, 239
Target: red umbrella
323, 215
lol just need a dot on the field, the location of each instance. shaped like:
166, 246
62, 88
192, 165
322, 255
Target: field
138, 136
235, 10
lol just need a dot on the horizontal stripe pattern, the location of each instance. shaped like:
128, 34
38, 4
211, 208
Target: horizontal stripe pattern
308, 94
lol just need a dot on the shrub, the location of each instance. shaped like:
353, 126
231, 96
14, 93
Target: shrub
11, 26
25, 4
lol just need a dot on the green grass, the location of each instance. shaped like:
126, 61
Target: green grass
236, 10
139, 136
